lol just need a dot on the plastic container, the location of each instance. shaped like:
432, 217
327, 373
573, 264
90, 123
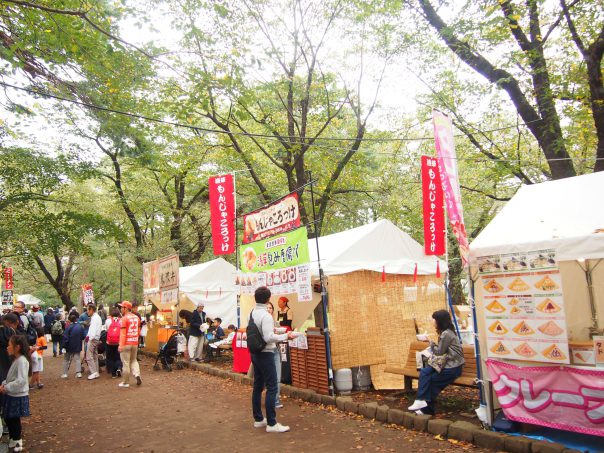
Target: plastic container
361, 378
343, 381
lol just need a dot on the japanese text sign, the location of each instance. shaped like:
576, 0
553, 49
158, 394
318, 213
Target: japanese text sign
87, 294
278, 252
434, 216
447, 165
221, 192
8, 278
168, 272
559, 397
279, 217
151, 277
7, 297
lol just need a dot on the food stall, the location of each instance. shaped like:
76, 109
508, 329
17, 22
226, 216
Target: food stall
538, 280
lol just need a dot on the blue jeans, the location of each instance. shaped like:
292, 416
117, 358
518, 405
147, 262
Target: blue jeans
265, 375
432, 383
278, 369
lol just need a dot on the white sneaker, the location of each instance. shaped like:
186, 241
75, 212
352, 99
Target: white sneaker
122, 385
11, 443
64, 376
419, 412
78, 375
261, 424
278, 406
18, 445
94, 376
418, 404
277, 428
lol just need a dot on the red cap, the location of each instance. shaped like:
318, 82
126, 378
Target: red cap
126, 304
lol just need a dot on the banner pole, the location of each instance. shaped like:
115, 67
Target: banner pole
323, 292
476, 342
237, 249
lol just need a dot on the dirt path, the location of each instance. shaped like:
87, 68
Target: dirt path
190, 411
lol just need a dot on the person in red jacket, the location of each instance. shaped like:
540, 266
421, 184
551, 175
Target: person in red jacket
128, 347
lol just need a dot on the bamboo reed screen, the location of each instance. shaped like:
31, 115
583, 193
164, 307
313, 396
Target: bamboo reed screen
373, 322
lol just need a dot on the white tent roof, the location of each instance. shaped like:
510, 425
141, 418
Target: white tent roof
214, 275
29, 299
565, 214
372, 247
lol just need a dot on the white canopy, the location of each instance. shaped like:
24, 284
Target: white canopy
566, 214
372, 247
213, 285
29, 299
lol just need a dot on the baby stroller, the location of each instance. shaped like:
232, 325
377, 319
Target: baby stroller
170, 354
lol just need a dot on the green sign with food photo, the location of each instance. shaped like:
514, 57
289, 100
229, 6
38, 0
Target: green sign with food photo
277, 252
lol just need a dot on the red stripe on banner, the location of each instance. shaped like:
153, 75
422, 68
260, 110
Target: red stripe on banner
221, 193
434, 215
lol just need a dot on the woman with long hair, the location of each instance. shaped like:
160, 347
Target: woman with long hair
431, 381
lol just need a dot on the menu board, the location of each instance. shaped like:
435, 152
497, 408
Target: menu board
291, 280
523, 306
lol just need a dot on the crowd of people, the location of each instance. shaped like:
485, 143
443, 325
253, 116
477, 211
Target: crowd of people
23, 340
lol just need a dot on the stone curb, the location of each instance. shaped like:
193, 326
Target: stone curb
459, 430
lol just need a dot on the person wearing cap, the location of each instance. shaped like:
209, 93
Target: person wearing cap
128, 347
37, 318
196, 336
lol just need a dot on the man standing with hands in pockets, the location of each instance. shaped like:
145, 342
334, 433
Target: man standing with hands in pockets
128, 347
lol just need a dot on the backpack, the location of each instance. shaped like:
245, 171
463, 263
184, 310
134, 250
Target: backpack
113, 331
255, 342
31, 334
57, 328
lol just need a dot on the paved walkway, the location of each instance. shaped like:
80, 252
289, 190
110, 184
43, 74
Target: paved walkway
188, 410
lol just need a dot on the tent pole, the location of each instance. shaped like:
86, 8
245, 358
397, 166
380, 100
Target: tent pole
237, 250
476, 342
323, 292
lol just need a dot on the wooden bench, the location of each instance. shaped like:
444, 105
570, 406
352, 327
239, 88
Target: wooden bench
410, 371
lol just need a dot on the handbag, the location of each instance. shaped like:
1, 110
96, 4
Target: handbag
437, 362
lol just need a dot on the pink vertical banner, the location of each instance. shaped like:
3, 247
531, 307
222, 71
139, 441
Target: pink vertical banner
447, 165
560, 397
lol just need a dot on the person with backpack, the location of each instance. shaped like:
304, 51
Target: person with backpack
56, 334
113, 326
72, 342
49, 319
261, 341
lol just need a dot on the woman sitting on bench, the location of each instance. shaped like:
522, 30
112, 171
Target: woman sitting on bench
432, 382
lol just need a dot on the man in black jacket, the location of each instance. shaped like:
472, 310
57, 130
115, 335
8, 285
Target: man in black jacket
196, 335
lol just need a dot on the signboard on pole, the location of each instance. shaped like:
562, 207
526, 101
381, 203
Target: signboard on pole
151, 277
277, 252
7, 297
276, 218
447, 165
434, 216
168, 272
8, 278
87, 294
221, 194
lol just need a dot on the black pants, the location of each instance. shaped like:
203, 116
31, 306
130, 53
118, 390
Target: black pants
112, 357
14, 428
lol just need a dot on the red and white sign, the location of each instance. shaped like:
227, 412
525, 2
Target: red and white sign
8, 278
447, 165
87, 294
168, 272
222, 213
278, 217
434, 216
560, 397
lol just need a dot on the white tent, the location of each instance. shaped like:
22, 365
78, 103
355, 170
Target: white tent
565, 215
213, 284
28, 299
373, 247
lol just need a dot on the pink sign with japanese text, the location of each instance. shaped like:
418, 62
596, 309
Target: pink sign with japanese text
447, 165
560, 397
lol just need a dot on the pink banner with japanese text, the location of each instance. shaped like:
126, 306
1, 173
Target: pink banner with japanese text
447, 165
560, 397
